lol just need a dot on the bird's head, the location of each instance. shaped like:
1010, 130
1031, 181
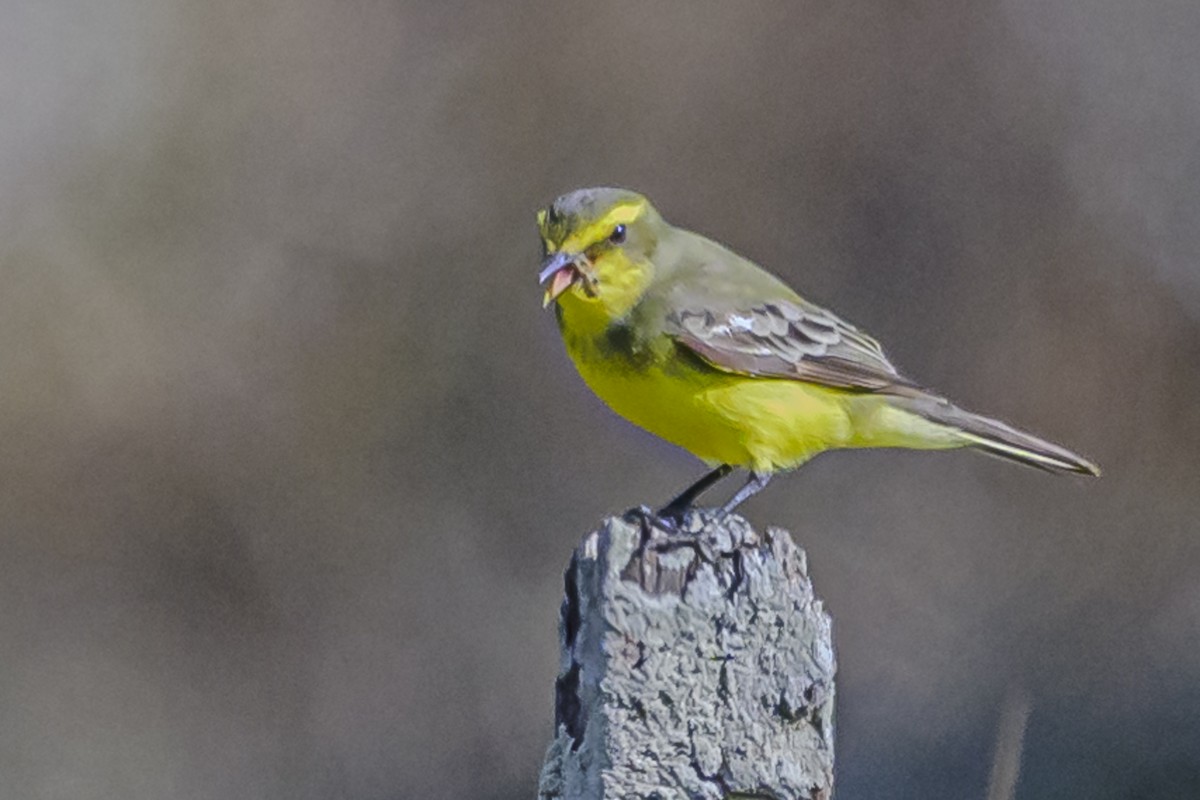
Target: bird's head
598, 245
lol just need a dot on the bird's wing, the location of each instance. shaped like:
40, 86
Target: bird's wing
786, 339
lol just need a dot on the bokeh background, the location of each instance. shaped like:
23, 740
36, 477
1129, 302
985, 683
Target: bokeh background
292, 459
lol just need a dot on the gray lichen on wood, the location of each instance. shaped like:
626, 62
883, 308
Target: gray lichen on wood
695, 664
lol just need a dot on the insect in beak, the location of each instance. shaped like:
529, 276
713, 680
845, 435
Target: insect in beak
560, 272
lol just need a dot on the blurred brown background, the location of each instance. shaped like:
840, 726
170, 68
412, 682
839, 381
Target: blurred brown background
292, 459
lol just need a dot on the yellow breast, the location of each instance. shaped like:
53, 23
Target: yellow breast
763, 424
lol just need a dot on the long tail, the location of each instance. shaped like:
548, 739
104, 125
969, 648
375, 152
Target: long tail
998, 439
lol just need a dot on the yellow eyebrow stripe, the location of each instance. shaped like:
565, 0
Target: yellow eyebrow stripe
623, 214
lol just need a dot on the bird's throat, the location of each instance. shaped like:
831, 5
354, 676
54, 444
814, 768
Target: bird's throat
582, 316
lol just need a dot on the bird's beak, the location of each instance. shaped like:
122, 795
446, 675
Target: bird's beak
559, 273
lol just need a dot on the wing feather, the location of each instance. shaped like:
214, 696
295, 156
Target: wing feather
783, 339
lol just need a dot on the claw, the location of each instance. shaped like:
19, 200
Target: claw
666, 520
671, 523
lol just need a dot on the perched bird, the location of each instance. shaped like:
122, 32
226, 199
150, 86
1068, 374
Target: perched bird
706, 349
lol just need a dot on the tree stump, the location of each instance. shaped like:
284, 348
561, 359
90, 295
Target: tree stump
695, 664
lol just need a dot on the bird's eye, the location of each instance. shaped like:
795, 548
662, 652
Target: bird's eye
618, 235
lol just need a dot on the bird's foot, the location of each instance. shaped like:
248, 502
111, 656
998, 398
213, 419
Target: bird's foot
674, 520
667, 519
668, 529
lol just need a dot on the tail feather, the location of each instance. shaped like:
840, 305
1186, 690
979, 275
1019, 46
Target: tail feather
999, 439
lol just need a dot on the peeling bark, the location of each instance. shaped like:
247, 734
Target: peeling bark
695, 664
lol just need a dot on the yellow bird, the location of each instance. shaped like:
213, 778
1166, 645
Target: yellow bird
706, 349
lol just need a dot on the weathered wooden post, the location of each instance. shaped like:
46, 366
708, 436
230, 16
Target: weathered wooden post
695, 664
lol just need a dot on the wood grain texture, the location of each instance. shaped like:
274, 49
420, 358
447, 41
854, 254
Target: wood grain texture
696, 664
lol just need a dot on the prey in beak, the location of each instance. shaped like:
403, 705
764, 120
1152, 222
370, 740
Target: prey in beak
560, 272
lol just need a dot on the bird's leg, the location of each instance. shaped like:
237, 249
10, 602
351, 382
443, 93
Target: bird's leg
753, 486
674, 510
